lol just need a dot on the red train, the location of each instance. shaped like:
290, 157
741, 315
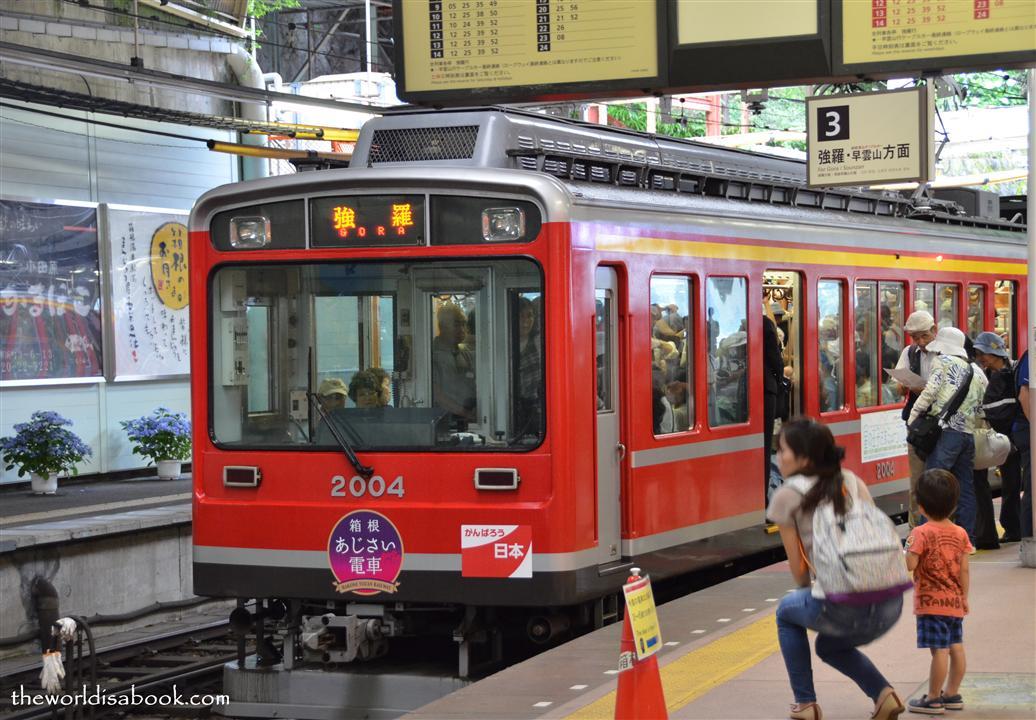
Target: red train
503, 357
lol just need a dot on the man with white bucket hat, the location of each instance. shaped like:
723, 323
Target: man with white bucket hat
955, 449
916, 358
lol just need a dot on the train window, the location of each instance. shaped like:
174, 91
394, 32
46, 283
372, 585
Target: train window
388, 351
603, 324
726, 310
257, 320
976, 309
866, 342
781, 300
1003, 307
924, 297
947, 298
890, 322
672, 357
831, 317
525, 313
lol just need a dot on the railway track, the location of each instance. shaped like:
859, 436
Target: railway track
135, 678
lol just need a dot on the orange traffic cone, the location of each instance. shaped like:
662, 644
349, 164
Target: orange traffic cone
640, 695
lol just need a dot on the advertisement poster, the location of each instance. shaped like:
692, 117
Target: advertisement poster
50, 292
149, 292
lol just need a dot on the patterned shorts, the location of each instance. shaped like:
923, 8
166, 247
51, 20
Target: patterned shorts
939, 631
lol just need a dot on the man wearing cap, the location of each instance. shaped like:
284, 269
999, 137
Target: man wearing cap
999, 406
955, 449
331, 394
916, 358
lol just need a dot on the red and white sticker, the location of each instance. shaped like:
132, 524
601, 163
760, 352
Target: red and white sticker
500, 551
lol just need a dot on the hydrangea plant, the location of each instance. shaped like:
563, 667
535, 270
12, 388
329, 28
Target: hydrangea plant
162, 435
44, 446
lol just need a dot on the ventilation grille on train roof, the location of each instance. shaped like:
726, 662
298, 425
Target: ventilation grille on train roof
423, 144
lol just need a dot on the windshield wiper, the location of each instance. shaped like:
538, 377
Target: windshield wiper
336, 432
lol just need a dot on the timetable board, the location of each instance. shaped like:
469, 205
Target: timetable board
496, 49
887, 35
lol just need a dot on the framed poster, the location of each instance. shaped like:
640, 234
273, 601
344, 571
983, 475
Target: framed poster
149, 255
50, 292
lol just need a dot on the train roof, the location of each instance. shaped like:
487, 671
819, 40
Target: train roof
583, 155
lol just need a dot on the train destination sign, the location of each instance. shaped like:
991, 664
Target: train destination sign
499, 49
367, 220
868, 138
881, 36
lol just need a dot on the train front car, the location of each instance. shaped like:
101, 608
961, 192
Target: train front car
374, 353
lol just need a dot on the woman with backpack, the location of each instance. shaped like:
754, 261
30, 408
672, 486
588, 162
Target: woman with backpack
818, 499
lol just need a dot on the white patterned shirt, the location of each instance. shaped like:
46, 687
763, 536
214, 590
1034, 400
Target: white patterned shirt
948, 373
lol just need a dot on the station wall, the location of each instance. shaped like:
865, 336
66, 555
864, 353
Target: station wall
46, 158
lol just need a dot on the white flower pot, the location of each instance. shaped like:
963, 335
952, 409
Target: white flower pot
169, 469
44, 484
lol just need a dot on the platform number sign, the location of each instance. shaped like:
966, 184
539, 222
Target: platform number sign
888, 141
832, 123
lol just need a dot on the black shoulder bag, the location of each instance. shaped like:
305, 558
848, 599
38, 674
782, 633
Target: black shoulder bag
923, 434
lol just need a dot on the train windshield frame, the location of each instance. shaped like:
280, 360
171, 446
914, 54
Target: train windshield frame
410, 355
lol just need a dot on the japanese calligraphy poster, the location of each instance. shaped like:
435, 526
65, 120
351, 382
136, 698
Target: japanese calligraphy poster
869, 138
878, 31
487, 44
500, 551
149, 292
50, 324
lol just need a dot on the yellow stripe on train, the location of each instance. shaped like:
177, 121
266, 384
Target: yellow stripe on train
802, 255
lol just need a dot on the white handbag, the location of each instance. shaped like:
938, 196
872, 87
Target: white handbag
991, 448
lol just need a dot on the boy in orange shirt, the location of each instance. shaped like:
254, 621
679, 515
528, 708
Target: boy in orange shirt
937, 553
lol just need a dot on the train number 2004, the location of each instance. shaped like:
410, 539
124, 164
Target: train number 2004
885, 470
359, 487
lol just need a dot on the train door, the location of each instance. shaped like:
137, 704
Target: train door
611, 451
782, 300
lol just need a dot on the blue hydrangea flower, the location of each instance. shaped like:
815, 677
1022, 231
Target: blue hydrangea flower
162, 435
44, 446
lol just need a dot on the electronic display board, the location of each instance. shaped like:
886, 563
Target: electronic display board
705, 21
716, 44
367, 220
878, 37
476, 51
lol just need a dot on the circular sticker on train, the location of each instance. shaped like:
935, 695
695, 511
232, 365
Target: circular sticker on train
366, 553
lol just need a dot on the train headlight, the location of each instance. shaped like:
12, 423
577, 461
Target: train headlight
503, 224
250, 233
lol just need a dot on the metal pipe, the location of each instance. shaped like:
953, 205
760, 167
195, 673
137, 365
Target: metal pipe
1029, 544
369, 44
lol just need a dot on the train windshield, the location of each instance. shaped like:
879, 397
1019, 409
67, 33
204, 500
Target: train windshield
390, 355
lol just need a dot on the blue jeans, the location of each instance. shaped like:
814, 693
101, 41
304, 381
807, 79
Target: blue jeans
841, 629
955, 452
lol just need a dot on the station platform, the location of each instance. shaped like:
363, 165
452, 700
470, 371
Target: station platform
721, 661
114, 549
83, 510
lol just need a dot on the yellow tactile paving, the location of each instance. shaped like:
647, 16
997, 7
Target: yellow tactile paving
689, 677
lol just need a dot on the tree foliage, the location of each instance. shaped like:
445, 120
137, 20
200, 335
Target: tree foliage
259, 8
